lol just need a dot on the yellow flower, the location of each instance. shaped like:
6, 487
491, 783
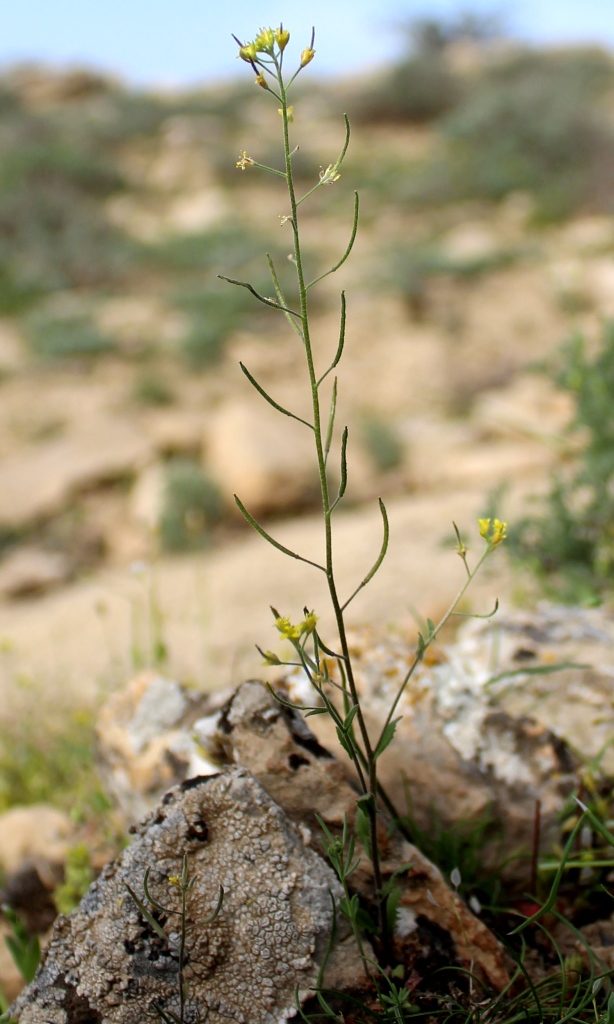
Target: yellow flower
264, 40
493, 531
244, 161
281, 37
287, 630
260, 80
307, 56
290, 111
309, 623
329, 175
248, 52
484, 525
174, 879
499, 532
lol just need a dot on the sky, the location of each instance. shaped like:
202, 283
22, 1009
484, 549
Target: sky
183, 42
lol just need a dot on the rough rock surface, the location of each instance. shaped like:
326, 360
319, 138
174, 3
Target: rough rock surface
145, 741
304, 779
106, 963
460, 754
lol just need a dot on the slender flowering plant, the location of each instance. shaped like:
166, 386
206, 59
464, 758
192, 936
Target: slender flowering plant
329, 668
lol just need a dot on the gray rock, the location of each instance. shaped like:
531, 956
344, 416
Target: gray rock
106, 963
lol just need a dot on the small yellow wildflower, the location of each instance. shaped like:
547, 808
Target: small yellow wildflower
493, 531
287, 630
174, 880
264, 40
290, 112
244, 161
261, 81
307, 56
329, 175
484, 525
309, 623
499, 532
282, 37
248, 52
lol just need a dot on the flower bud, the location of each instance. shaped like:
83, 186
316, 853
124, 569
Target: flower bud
248, 53
307, 56
281, 37
264, 40
260, 80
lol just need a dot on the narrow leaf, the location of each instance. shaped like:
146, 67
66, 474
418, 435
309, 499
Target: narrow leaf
348, 250
271, 401
349, 718
331, 421
275, 543
387, 736
363, 830
339, 351
157, 906
379, 560
147, 915
344, 469
261, 298
345, 741
550, 902
281, 299
212, 917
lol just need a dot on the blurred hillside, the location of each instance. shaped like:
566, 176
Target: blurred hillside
486, 179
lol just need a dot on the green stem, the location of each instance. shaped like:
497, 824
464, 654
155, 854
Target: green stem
326, 506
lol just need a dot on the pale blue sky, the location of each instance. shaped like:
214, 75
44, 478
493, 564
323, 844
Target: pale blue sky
185, 41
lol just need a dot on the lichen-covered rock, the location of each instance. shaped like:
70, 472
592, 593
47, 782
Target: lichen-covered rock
252, 729
462, 752
107, 965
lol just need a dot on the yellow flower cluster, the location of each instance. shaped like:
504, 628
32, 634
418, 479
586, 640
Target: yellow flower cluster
265, 42
493, 531
290, 632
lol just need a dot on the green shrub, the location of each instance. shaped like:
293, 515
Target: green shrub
381, 442
66, 337
152, 389
533, 124
48, 758
78, 876
192, 505
214, 314
571, 543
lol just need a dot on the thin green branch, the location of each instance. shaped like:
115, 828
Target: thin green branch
261, 298
275, 543
271, 401
348, 250
377, 563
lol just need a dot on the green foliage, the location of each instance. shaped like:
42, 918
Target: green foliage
152, 389
571, 544
531, 124
66, 337
192, 506
381, 442
408, 268
424, 85
24, 948
50, 759
78, 876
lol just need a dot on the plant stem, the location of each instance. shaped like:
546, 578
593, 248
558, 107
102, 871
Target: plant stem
326, 505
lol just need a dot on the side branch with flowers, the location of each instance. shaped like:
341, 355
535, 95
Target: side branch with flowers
335, 688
